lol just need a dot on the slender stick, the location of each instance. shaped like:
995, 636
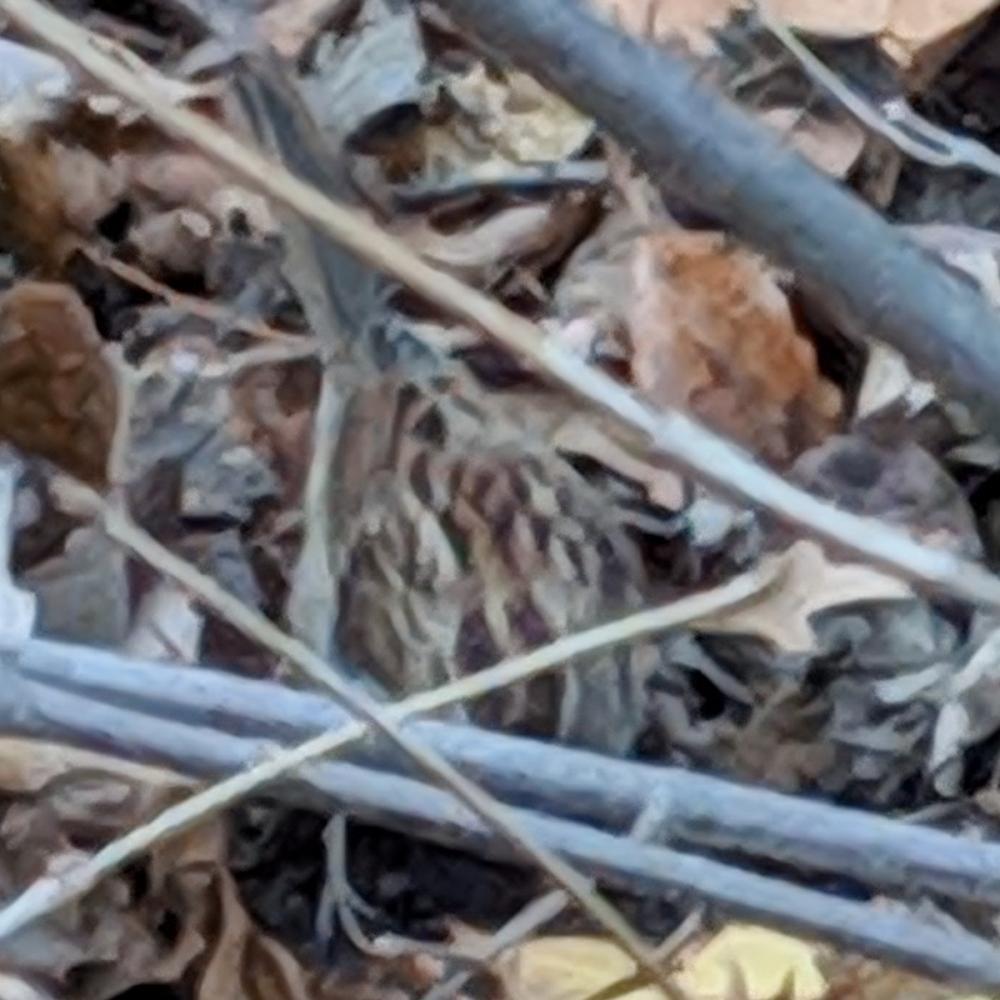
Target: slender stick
699, 144
868, 265
415, 808
703, 810
51, 892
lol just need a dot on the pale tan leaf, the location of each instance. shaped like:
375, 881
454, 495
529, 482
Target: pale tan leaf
584, 436
764, 960
566, 968
245, 964
89, 185
888, 380
807, 584
843, 19
520, 235
926, 31
507, 234
167, 625
290, 24
833, 145
691, 22
27, 766
524, 122
917, 34
175, 241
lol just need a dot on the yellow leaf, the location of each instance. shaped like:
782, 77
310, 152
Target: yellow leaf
566, 968
806, 584
766, 961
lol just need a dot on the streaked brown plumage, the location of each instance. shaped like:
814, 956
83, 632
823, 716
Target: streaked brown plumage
464, 539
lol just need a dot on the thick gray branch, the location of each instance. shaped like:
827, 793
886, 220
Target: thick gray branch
705, 812
696, 142
31, 708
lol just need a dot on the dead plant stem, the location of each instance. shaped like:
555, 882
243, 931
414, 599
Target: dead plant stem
670, 433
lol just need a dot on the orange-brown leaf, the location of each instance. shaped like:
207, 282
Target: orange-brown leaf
58, 397
713, 333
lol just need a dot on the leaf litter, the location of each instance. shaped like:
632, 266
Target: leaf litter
136, 276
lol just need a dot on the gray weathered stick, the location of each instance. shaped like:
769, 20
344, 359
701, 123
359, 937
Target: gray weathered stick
33, 709
705, 811
697, 143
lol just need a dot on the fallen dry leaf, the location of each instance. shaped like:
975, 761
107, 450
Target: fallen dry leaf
522, 121
197, 426
176, 241
888, 381
689, 21
807, 583
862, 979
923, 34
833, 144
83, 591
176, 180
584, 436
113, 940
767, 963
290, 24
32, 221
713, 333
167, 625
33, 86
242, 962
89, 185
58, 397
27, 766
572, 968
520, 234
60, 802
350, 90
566, 968
917, 34
843, 19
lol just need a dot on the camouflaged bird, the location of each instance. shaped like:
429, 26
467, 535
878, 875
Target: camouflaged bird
458, 534
464, 539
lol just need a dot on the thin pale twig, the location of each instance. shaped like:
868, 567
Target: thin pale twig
669, 948
646, 829
127, 381
672, 434
893, 119
311, 608
65, 35
536, 914
338, 897
284, 353
50, 893
203, 308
